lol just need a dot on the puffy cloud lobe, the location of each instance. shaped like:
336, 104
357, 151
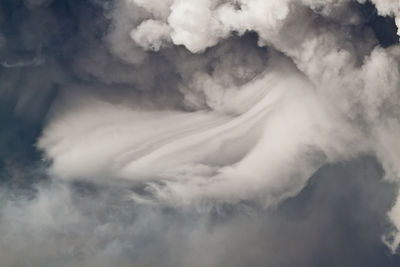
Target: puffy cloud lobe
195, 25
198, 25
151, 34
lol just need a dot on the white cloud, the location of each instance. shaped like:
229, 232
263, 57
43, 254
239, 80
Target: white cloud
253, 132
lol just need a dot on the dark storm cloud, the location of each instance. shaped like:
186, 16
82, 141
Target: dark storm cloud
198, 133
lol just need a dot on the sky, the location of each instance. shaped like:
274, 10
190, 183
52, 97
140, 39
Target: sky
199, 133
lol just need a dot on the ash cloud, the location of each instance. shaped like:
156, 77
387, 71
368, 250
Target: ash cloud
199, 133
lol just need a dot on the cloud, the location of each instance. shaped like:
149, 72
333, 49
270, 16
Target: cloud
337, 83
148, 110
250, 141
160, 35
88, 225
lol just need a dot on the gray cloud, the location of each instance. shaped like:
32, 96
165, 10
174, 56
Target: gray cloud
328, 224
205, 132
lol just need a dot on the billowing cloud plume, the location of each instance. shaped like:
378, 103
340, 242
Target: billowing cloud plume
196, 105
251, 132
